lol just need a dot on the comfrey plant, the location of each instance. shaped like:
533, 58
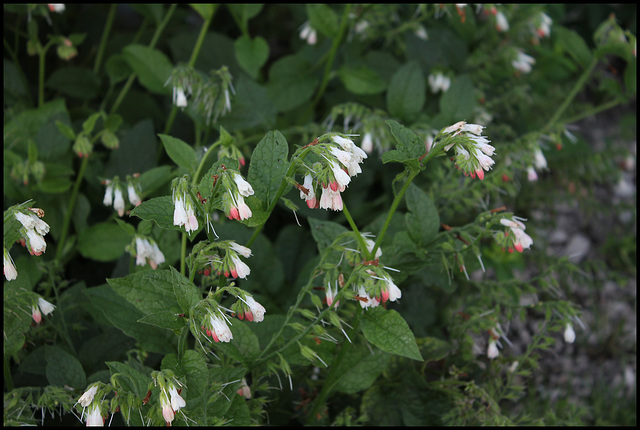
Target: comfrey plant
265, 228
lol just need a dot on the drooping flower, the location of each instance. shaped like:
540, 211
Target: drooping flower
472, 151
239, 268
330, 294
147, 250
256, 310
133, 195
523, 62
179, 97
308, 34
45, 306
87, 397
364, 299
438, 82
532, 176
331, 199
569, 334
219, 330
519, 239
184, 214
367, 143
177, 401
33, 231
108, 194
390, 291
492, 350
242, 250
165, 403
35, 314
10, 272
544, 25
310, 196
118, 201
56, 7
94, 417
501, 22
244, 187
244, 389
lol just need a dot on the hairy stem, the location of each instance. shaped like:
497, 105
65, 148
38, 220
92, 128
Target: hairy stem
363, 245
105, 34
72, 203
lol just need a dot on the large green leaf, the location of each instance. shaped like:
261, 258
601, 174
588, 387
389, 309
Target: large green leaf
323, 19
325, 232
361, 80
268, 166
406, 93
291, 82
387, 330
152, 67
103, 242
423, 221
409, 145
158, 209
359, 369
151, 291
76, 82
459, 100
63, 369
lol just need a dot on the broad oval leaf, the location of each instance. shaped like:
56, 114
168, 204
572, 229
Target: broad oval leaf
152, 67
390, 332
180, 152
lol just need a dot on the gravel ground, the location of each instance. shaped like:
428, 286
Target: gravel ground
603, 355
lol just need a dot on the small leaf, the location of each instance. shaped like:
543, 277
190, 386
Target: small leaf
168, 320
390, 332
180, 152
186, 293
63, 369
423, 222
325, 232
251, 54
323, 19
409, 145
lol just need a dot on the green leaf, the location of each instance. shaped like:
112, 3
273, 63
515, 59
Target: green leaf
117, 69
251, 54
406, 93
573, 45
152, 67
131, 379
323, 19
136, 152
66, 130
168, 320
250, 107
158, 209
423, 222
266, 269
154, 178
244, 347
409, 148
390, 332
359, 369
186, 293
206, 11
458, 102
434, 349
180, 152
76, 82
63, 369
325, 232
291, 82
124, 316
103, 242
268, 166
16, 295
151, 291
361, 80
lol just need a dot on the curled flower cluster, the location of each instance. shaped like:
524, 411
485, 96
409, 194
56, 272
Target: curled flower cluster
33, 230
515, 237
114, 193
231, 264
308, 33
233, 199
184, 209
215, 325
170, 401
146, 250
94, 415
523, 62
375, 286
247, 308
340, 160
472, 151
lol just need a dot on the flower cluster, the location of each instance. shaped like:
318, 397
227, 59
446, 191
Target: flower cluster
543, 25
516, 238
439, 82
523, 62
247, 308
170, 401
41, 307
114, 193
374, 286
308, 33
233, 199
184, 209
146, 250
215, 325
33, 230
339, 160
230, 264
501, 22
472, 151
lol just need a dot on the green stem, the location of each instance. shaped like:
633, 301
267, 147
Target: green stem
182, 341
152, 44
574, 91
332, 377
41, 64
65, 329
394, 207
72, 203
105, 34
359, 237
8, 380
183, 253
592, 112
332, 54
